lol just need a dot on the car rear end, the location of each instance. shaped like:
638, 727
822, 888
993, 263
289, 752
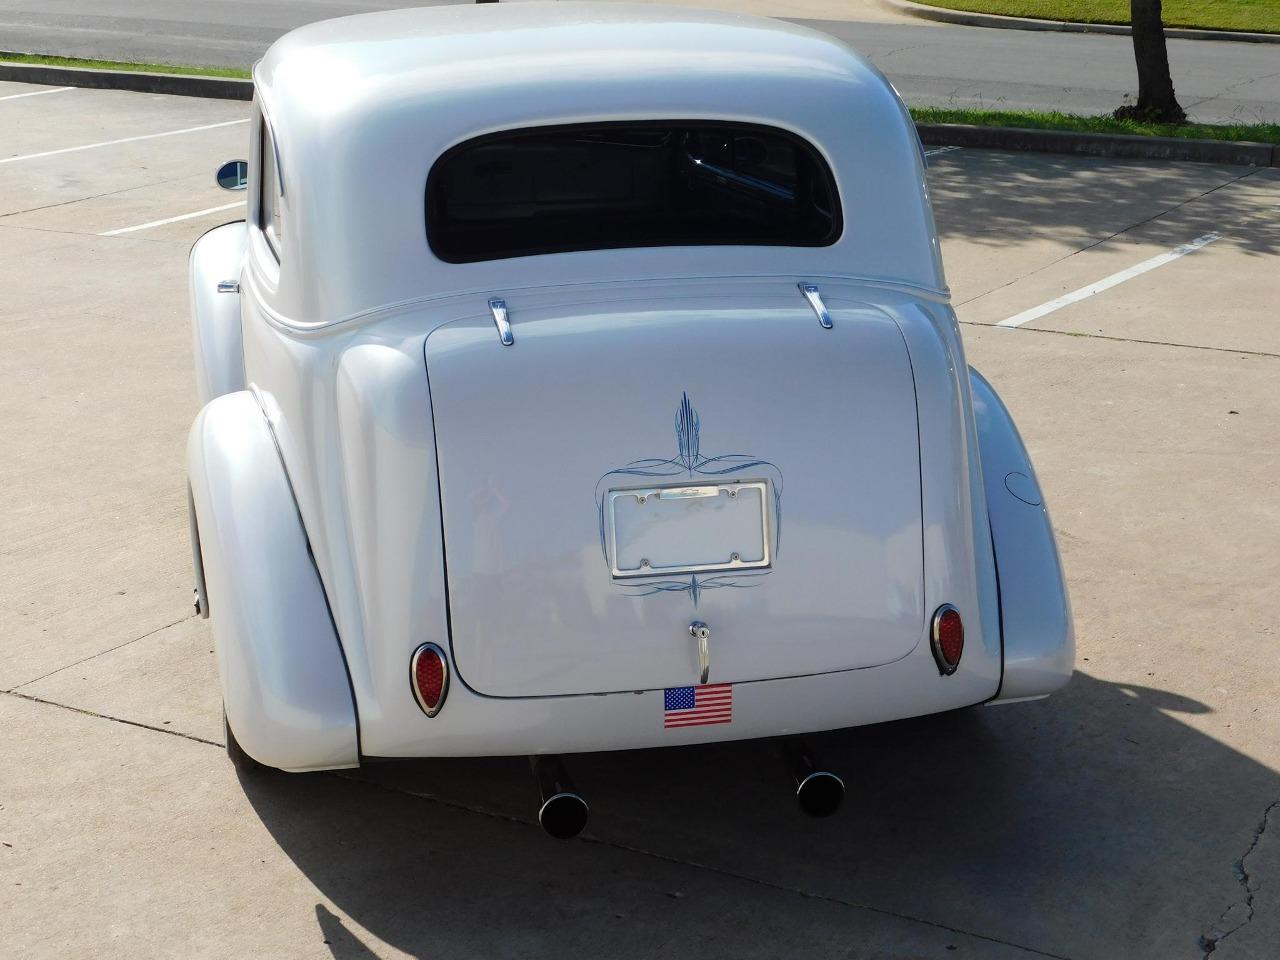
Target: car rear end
628, 469
614, 430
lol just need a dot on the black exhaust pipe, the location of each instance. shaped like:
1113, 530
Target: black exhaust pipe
562, 814
818, 792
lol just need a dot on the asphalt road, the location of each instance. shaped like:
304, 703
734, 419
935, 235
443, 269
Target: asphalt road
1133, 816
930, 64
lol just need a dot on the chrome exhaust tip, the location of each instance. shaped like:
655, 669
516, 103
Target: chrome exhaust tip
562, 813
819, 793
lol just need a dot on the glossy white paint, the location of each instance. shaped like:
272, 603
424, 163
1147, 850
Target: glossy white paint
284, 685
362, 106
1039, 637
370, 500
392, 399
826, 417
215, 317
474, 725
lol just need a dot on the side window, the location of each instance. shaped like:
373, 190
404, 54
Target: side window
270, 205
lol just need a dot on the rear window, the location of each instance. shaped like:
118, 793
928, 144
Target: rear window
605, 186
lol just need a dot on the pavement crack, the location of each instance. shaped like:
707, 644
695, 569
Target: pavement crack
86, 233
100, 653
708, 868
1103, 336
1232, 86
596, 841
826, 898
96, 196
105, 716
1223, 928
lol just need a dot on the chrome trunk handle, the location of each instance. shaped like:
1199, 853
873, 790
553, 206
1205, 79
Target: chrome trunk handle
702, 633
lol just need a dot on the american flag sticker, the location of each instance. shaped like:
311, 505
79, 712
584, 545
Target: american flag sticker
697, 706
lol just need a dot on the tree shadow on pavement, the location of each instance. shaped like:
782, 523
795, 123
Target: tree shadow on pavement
1097, 823
1001, 199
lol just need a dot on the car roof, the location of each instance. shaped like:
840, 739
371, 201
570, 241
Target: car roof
362, 106
510, 45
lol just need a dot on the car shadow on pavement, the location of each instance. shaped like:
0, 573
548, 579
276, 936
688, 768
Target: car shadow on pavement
1096, 823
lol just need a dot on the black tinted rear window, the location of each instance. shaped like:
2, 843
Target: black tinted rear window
604, 186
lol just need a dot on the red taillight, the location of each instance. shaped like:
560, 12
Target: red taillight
429, 671
947, 638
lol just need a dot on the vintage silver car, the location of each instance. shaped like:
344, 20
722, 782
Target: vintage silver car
583, 378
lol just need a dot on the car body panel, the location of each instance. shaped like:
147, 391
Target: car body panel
472, 725
284, 683
533, 438
399, 424
367, 489
362, 106
1039, 635
217, 257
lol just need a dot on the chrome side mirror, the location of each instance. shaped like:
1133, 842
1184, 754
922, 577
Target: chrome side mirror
234, 175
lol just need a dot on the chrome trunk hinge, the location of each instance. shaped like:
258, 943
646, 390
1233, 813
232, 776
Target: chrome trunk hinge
814, 296
499, 310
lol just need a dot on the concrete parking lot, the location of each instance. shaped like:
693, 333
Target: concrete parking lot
1135, 815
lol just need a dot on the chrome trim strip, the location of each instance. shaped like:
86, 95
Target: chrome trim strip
266, 119
814, 296
499, 310
202, 594
321, 328
413, 675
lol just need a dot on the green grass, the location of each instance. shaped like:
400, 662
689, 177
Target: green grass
37, 58
1034, 120
1258, 16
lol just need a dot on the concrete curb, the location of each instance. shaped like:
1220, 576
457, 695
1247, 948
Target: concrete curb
966, 18
1100, 144
213, 88
940, 134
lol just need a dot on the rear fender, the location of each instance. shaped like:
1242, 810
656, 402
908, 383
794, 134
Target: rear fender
284, 679
1035, 612
215, 317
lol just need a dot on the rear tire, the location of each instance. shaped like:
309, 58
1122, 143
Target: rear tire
243, 763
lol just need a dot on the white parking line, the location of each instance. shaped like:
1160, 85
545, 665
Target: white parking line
1075, 296
36, 93
111, 143
937, 150
161, 223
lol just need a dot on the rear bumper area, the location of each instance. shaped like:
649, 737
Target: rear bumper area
474, 725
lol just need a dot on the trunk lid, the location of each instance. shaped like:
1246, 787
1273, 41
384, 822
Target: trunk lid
617, 474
